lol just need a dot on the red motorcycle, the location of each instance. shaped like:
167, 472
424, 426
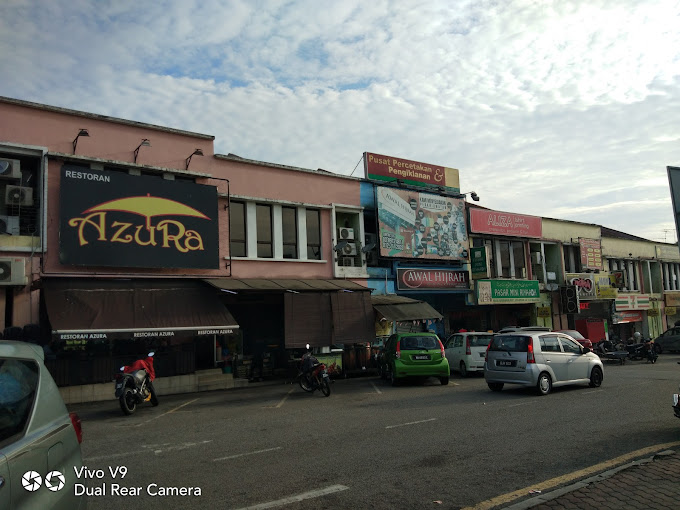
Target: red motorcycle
313, 375
134, 384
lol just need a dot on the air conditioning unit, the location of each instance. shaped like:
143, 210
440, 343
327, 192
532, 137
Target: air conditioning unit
9, 225
347, 261
12, 271
10, 168
18, 195
350, 249
345, 234
536, 257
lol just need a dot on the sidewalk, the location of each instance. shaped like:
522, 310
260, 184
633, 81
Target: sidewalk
649, 484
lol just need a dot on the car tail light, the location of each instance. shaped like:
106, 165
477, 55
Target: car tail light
467, 346
75, 420
530, 351
398, 353
441, 346
486, 355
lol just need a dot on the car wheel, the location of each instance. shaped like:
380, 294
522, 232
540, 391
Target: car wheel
444, 380
495, 386
463, 369
544, 384
596, 377
393, 377
658, 348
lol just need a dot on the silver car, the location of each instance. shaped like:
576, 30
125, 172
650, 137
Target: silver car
39, 438
541, 360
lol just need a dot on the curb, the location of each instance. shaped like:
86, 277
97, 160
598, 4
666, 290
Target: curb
544, 498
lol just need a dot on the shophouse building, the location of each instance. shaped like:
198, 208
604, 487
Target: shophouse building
120, 236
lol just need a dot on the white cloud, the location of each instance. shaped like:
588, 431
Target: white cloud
555, 108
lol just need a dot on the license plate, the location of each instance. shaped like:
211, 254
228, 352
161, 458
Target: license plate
119, 385
421, 356
482, 354
506, 363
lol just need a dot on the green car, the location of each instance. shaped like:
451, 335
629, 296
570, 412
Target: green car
413, 355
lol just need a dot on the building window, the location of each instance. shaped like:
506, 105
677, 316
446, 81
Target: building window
629, 270
518, 259
289, 232
237, 228
506, 269
263, 215
572, 258
313, 217
507, 258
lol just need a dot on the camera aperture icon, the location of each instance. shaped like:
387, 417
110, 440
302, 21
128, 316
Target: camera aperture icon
55, 481
31, 481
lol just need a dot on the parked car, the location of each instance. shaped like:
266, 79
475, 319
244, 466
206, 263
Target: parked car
669, 341
542, 360
509, 329
39, 439
585, 342
466, 351
414, 355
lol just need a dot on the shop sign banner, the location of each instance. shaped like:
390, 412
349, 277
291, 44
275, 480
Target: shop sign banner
672, 299
624, 317
543, 311
603, 287
421, 225
431, 279
115, 219
591, 253
479, 262
632, 302
387, 168
584, 283
653, 312
667, 252
491, 292
484, 221
670, 310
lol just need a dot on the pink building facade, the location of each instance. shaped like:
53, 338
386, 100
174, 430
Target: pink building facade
118, 236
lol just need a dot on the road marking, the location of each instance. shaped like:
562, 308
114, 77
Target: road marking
249, 453
377, 390
504, 499
168, 412
591, 392
296, 499
409, 423
156, 448
284, 399
521, 404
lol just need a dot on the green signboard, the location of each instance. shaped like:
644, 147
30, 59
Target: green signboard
490, 292
479, 262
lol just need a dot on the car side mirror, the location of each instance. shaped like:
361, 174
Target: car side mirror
586, 350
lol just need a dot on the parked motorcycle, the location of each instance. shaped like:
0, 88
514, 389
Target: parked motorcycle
313, 375
676, 402
643, 350
134, 384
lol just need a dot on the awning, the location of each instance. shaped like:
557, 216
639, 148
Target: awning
115, 309
400, 308
258, 284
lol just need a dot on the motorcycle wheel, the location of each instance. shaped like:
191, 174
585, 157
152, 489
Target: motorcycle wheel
325, 387
304, 384
154, 397
128, 402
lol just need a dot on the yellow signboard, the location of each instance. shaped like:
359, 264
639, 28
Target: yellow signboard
653, 312
543, 311
671, 310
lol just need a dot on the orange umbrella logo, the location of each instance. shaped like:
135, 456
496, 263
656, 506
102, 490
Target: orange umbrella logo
148, 207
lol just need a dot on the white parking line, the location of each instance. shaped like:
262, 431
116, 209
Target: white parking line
409, 423
168, 412
249, 453
284, 399
155, 448
377, 390
296, 499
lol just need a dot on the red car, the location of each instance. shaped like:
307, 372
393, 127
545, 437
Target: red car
578, 337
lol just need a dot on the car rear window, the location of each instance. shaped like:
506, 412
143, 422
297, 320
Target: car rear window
412, 343
510, 343
18, 384
480, 340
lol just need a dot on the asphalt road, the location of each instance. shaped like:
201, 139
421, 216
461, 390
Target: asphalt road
370, 445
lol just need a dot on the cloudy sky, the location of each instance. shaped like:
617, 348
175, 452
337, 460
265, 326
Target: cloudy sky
565, 109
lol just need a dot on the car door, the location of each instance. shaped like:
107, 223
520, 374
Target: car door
553, 356
577, 362
5, 495
453, 350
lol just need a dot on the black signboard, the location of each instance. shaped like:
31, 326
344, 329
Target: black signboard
121, 220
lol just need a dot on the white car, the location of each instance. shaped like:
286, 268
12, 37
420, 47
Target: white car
466, 351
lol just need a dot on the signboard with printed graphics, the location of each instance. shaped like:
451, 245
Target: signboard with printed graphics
115, 219
603, 286
479, 262
431, 279
420, 225
591, 253
584, 283
390, 169
632, 302
485, 221
491, 292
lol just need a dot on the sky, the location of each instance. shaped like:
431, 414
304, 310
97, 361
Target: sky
562, 109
